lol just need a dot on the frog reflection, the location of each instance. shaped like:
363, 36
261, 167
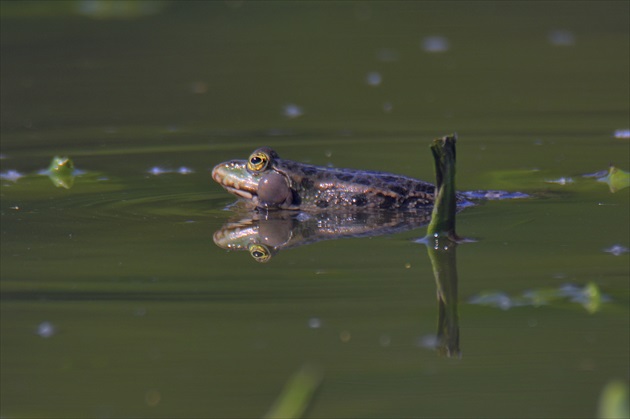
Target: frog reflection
264, 234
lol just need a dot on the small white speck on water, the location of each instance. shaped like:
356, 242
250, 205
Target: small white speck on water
156, 171
617, 250
291, 110
46, 329
561, 38
373, 78
314, 323
428, 341
12, 175
185, 170
560, 181
622, 134
435, 43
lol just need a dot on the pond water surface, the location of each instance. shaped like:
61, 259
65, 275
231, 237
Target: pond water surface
116, 301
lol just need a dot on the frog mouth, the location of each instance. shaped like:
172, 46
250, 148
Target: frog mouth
237, 185
238, 192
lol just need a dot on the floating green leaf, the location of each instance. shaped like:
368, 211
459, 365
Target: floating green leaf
593, 298
616, 179
61, 172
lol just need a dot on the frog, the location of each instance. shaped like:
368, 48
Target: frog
266, 181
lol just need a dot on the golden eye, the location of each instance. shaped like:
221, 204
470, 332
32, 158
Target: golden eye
258, 161
260, 253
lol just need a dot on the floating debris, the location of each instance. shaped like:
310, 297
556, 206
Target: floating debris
589, 296
156, 170
428, 341
616, 250
494, 299
596, 174
185, 171
435, 44
314, 323
373, 78
622, 134
12, 175
46, 329
291, 110
561, 38
560, 181
493, 195
388, 107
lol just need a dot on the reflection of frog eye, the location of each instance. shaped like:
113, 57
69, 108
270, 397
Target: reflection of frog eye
260, 253
258, 161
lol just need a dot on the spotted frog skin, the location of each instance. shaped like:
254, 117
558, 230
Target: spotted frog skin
267, 181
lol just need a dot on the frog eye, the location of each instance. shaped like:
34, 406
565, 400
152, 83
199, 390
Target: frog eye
260, 253
258, 161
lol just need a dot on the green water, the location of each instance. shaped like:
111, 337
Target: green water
115, 302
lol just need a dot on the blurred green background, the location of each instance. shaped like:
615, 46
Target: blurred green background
115, 302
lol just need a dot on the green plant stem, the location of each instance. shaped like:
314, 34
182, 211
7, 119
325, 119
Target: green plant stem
443, 217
